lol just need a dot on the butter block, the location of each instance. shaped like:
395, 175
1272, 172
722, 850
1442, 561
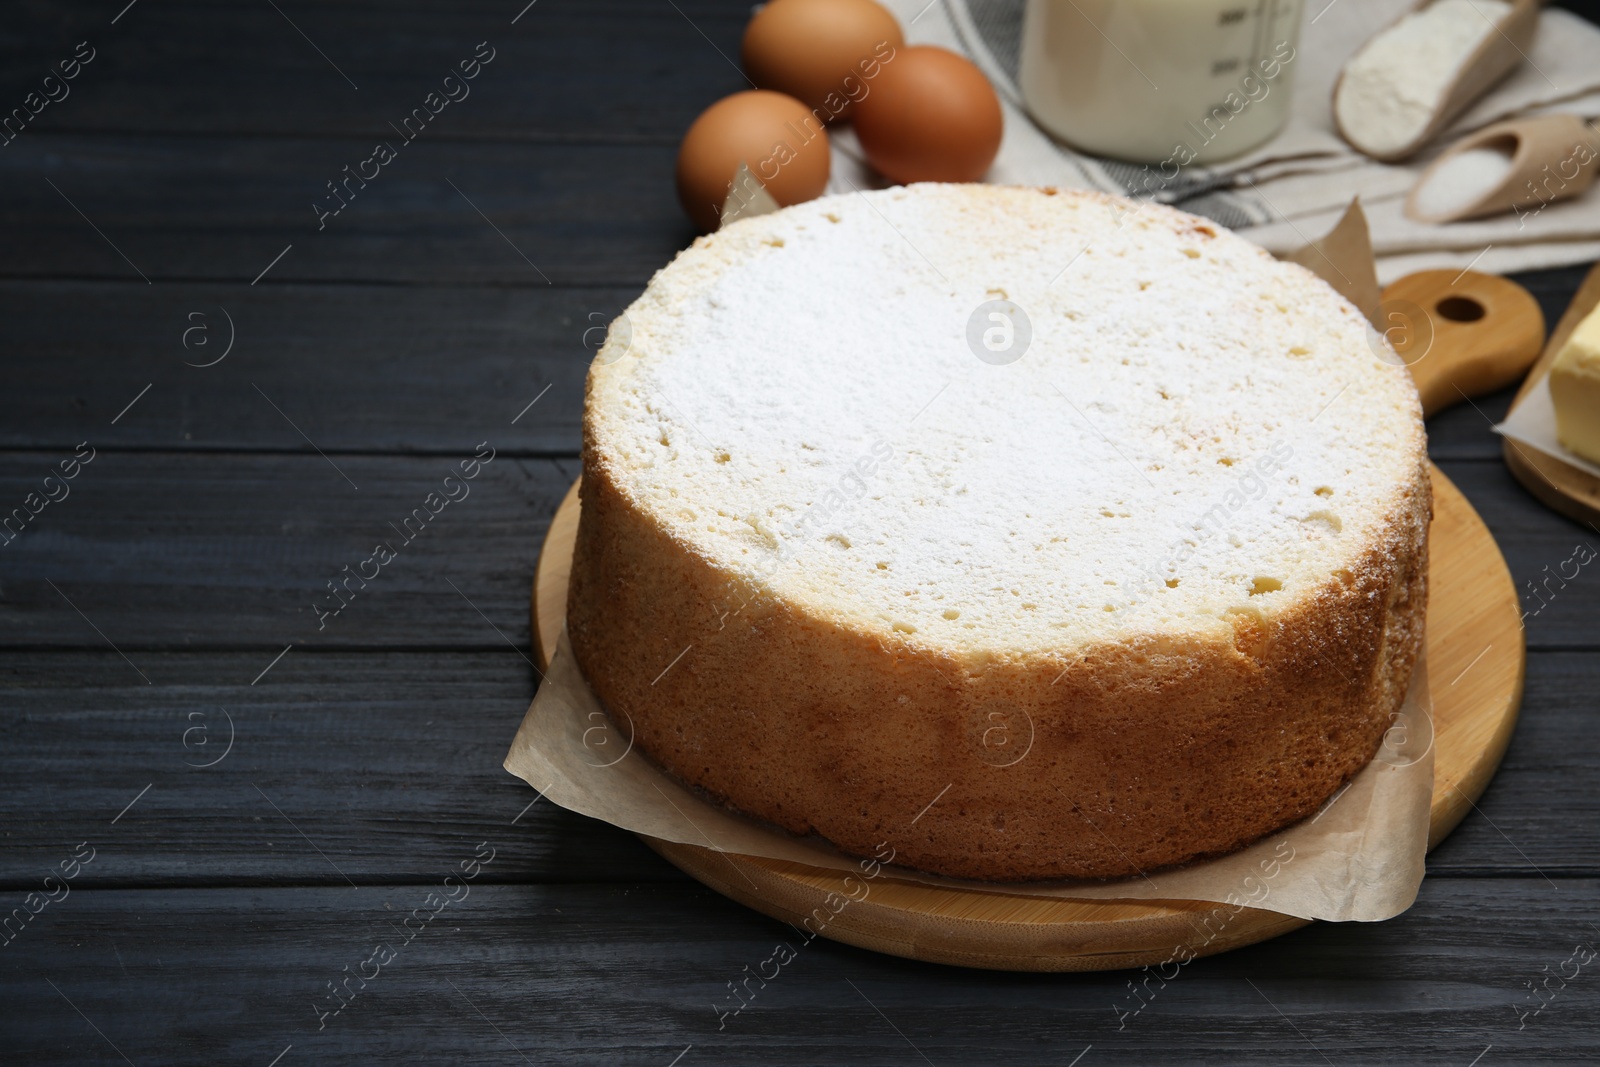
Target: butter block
1575, 389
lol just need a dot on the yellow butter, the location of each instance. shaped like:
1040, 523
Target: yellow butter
1575, 389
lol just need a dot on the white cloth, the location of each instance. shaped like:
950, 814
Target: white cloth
1294, 188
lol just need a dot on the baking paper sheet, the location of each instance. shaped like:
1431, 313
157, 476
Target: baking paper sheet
1532, 422
1359, 858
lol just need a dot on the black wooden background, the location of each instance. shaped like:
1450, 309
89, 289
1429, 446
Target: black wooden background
161, 611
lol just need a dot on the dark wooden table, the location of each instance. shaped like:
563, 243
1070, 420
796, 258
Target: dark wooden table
223, 808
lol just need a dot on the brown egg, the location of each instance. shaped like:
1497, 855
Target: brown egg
931, 117
824, 53
784, 145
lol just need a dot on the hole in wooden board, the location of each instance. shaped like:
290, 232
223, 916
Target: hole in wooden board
1459, 309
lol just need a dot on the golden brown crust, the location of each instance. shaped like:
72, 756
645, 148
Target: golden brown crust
1135, 756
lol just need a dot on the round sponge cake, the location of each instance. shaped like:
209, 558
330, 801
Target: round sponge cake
1037, 534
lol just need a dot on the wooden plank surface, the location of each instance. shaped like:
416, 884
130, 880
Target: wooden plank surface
223, 208
1464, 431
395, 53
620, 974
383, 759
158, 550
363, 368
396, 338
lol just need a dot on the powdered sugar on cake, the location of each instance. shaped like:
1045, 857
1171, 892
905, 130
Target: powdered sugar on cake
1193, 428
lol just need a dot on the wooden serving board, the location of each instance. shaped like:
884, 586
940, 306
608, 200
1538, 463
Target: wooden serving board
1574, 493
1476, 659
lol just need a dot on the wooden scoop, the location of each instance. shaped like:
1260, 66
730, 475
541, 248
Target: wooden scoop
1497, 56
1552, 158
1462, 333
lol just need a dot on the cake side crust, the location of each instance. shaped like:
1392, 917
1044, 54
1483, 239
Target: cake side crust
1124, 759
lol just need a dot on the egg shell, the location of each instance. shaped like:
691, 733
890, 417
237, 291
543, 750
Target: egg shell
823, 53
777, 136
931, 117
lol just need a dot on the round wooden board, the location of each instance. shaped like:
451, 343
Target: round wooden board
1573, 492
1476, 659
